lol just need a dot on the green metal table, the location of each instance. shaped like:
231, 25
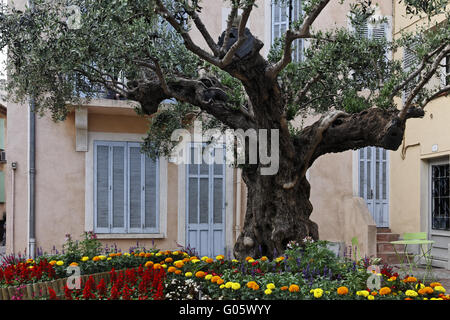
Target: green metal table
425, 254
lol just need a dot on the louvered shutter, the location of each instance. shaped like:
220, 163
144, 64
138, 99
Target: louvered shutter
280, 24
118, 192
102, 188
151, 201
135, 186
409, 59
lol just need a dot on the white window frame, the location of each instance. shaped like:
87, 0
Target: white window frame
127, 228
89, 189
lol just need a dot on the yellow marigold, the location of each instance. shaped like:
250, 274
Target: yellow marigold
175, 253
235, 261
270, 286
208, 277
60, 263
188, 274
279, 259
204, 258
178, 264
228, 284
109, 258
411, 293
268, 291
200, 274
235, 286
30, 260
420, 286
317, 293
385, 291
294, 288
435, 284
248, 258
439, 288
159, 254
251, 260
192, 258
370, 297
168, 260
126, 254
342, 291
148, 264
102, 257
84, 259
195, 260
171, 269
363, 293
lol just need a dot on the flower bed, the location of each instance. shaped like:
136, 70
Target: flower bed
308, 272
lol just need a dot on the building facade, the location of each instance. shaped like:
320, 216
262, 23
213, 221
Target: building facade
90, 176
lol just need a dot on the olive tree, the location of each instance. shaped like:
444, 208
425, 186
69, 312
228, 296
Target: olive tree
61, 52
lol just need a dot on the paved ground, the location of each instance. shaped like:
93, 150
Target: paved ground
438, 274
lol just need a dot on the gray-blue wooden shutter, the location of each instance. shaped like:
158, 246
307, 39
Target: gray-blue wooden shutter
101, 186
135, 186
118, 192
151, 195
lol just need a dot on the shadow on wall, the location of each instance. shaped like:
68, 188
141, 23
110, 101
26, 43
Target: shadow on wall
3, 229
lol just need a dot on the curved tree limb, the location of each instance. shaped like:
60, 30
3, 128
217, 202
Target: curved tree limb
291, 35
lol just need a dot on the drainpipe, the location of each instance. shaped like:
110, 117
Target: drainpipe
238, 203
31, 173
31, 179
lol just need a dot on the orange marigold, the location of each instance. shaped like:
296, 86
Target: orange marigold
168, 260
284, 288
214, 279
148, 264
171, 269
141, 254
209, 260
425, 290
296, 288
157, 266
220, 281
435, 284
177, 271
385, 291
342, 291
410, 279
200, 274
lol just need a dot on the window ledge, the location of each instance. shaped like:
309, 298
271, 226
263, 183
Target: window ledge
130, 235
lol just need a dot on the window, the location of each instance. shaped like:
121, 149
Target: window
409, 60
446, 79
440, 213
280, 24
126, 189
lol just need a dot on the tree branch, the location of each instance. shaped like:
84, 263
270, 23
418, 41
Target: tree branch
205, 33
188, 43
241, 36
424, 80
291, 35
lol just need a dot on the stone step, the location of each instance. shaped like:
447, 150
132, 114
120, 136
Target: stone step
387, 237
383, 230
389, 247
